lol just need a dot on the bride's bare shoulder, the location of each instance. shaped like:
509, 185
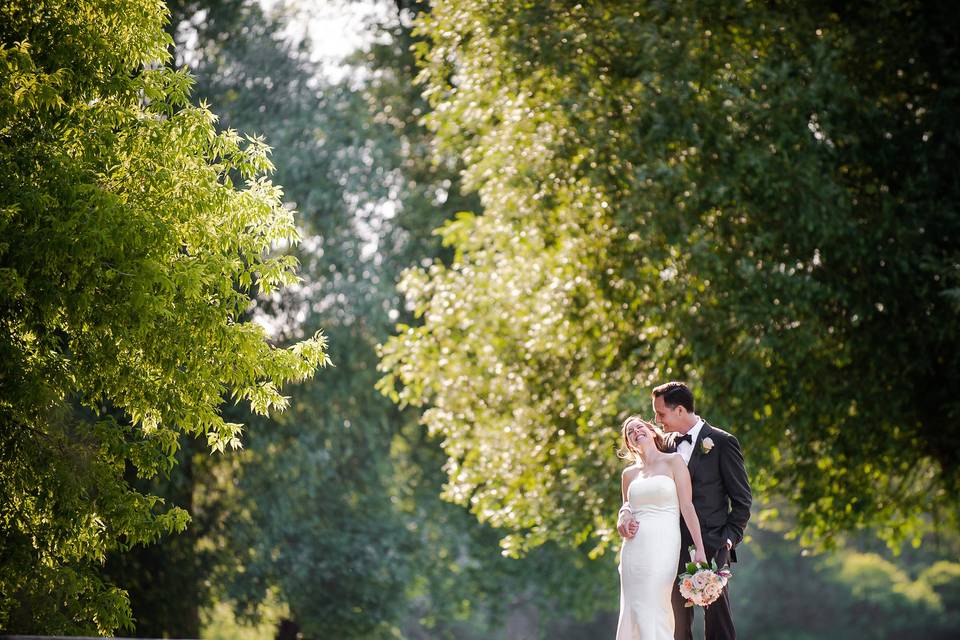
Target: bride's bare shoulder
675, 460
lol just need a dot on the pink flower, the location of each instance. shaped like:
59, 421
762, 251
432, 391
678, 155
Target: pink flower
712, 591
701, 578
703, 587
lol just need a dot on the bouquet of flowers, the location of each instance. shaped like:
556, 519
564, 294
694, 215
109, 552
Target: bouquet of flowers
702, 584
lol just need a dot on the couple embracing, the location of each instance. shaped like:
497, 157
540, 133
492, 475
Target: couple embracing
687, 487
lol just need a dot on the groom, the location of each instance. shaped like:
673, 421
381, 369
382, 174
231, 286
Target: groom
721, 496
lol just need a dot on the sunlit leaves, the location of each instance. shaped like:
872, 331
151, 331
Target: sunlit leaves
721, 194
134, 237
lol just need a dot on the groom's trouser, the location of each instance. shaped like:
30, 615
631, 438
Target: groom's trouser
718, 622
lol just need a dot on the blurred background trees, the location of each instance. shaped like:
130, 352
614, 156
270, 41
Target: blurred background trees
756, 199
334, 508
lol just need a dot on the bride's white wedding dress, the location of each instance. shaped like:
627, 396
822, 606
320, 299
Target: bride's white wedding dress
648, 561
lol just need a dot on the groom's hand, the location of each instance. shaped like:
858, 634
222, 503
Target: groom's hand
722, 556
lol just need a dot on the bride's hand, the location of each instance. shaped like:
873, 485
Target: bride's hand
626, 525
700, 556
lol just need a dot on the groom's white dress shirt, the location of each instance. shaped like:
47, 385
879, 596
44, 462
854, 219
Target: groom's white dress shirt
686, 448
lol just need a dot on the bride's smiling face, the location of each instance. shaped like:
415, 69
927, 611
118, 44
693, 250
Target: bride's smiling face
643, 433
639, 433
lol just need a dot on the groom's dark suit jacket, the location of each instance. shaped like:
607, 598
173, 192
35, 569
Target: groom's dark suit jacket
721, 491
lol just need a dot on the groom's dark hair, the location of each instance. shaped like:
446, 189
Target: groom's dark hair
675, 394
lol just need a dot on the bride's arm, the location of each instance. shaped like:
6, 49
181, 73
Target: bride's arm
681, 476
626, 526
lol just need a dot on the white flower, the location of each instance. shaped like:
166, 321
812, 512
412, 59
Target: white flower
706, 445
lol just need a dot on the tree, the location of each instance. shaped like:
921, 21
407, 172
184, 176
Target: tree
342, 489
756, 198
128, 261
167, 582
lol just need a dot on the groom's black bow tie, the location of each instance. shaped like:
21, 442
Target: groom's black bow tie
684, 438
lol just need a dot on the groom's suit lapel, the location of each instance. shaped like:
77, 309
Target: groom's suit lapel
697, 450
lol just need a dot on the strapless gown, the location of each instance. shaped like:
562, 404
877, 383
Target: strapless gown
648, 561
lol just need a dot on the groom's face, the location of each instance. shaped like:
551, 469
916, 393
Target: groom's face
669, 419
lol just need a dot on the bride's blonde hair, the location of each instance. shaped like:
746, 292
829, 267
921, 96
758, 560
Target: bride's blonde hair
627, 451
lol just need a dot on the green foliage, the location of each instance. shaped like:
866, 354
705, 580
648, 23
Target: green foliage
220, 623
333, 506
879, 584
784, 594
169, 573
303, 509
758, 198
943, 578
128, 259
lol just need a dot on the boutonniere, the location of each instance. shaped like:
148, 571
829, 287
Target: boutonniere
706, 445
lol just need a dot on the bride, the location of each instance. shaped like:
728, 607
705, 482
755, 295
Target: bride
656, 491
